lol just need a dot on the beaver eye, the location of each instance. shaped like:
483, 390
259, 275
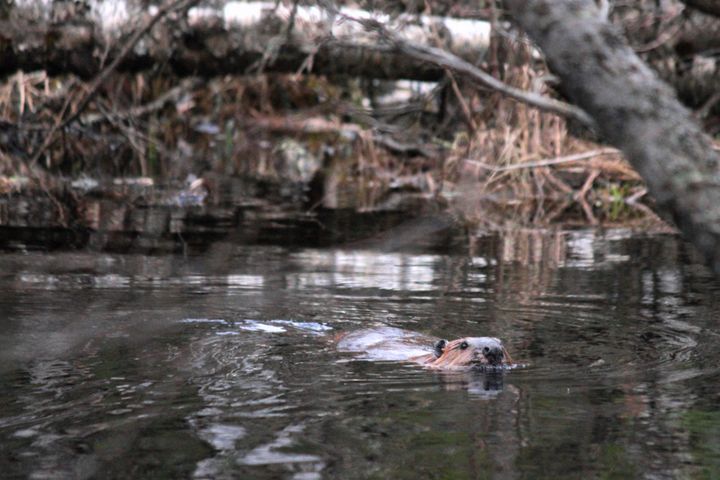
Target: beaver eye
464, 345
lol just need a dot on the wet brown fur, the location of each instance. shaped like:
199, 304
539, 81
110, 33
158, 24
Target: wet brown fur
454, 356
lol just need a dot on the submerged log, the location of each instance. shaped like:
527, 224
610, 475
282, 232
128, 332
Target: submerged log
634, 111
235, 38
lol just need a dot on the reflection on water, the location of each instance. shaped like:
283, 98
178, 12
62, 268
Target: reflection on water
224, 365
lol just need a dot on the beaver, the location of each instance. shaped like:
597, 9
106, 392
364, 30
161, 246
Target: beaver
389, 343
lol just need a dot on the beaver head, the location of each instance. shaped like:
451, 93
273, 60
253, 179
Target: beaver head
468, 352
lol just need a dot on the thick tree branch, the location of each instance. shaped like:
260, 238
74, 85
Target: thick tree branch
634, 111
451, 62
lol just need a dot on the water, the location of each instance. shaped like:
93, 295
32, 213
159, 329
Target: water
223, 364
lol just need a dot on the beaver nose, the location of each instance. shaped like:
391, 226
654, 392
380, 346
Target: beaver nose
494, 355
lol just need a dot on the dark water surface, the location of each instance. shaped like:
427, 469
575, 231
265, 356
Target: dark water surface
223, 365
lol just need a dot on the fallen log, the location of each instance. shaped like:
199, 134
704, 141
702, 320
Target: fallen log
234, 38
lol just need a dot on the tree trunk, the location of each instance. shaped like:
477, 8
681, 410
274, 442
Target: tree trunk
680, 45
708, 6
235, 38
634, 111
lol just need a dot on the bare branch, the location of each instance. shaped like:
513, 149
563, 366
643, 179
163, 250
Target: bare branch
449, 61
546, 163
92, 89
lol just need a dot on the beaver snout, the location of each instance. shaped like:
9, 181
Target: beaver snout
493, 355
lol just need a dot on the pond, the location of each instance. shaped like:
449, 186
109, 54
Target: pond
222, 362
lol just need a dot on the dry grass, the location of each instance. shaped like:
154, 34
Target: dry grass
510, 165
522, 167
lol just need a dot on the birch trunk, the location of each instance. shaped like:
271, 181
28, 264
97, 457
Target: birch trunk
235, 38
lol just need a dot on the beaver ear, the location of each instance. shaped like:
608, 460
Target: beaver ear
439, 348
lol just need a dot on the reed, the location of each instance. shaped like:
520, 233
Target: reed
521, 167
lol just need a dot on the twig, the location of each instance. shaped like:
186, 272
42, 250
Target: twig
557, 210
555, 181
545, 163
580, 197
411, 149
271, 52
101, 77
662, 39
131, 134
582, 193
300, 124
448, 60
645, 210
706, 107
291, 21
147, 108
463, 104
668, 33
633, 199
